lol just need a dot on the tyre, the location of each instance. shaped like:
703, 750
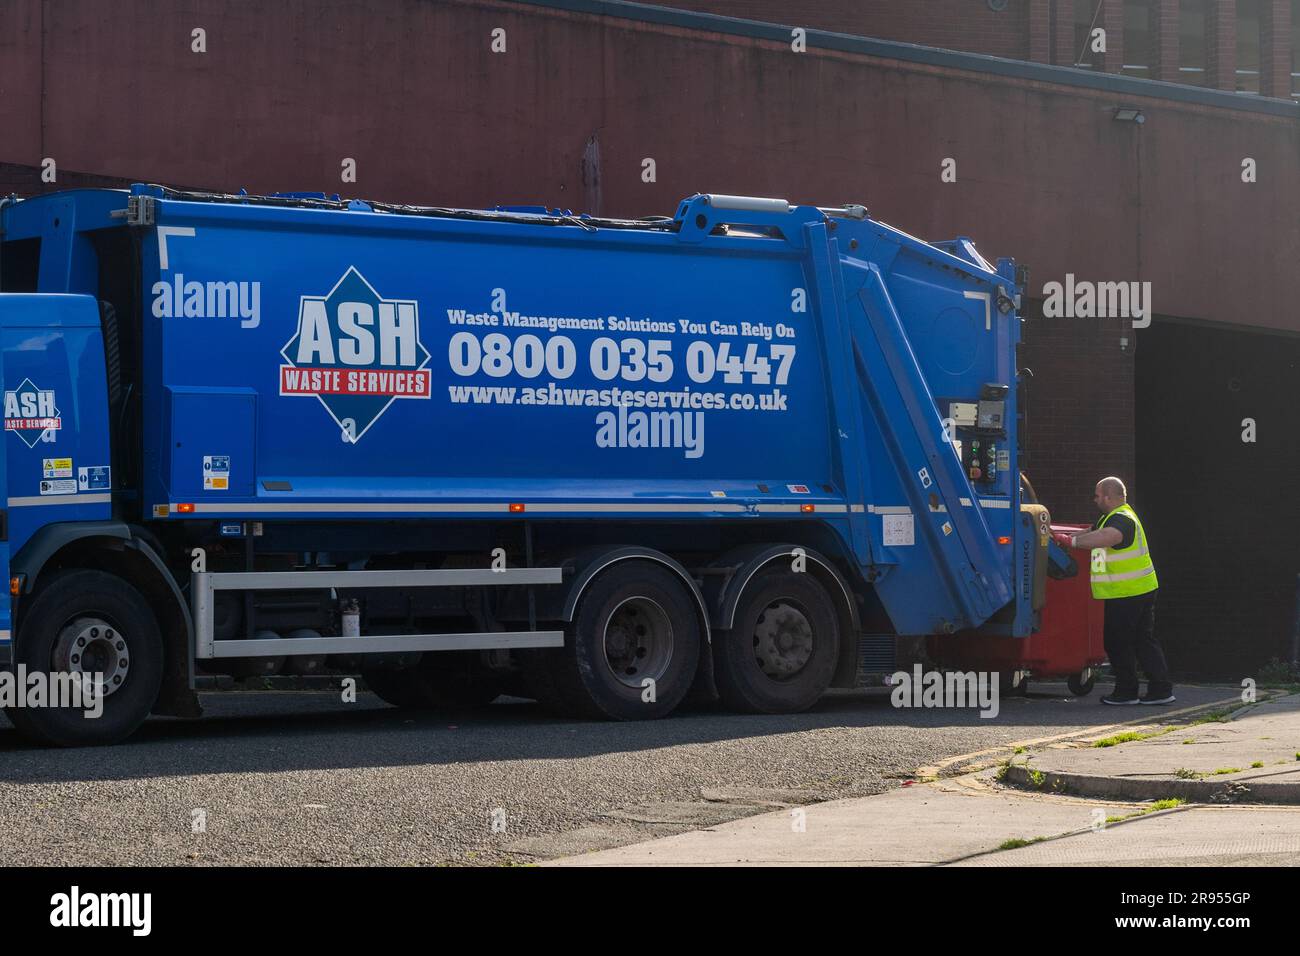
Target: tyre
779, 656
450, 680
632, 649
85, 622
1079, 687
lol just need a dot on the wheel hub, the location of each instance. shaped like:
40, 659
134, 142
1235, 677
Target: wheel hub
638, 642
783, 640
91, 646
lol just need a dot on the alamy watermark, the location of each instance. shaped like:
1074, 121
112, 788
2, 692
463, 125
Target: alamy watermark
1098, 300
936, 689
62, 689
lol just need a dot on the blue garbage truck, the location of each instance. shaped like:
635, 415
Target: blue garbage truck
604, 463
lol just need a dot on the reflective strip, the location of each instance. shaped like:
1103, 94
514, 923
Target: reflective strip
889, 509
857, 509
461, 507
1123, 575
1112, 556
5, 637
994, 503
104, 498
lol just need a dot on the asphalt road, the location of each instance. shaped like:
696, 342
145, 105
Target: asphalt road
303, 778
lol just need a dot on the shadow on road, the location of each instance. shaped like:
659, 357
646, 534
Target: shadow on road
268, 732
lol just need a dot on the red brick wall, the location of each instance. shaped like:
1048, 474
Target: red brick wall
1044, 171
1221, 45
952, 24
26, 180
1166, 41
1275, 48
1080, 407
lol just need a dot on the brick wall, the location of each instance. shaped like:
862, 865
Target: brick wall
26, 180
1221, 514
1166, 41
1221, 45
1038, 30
952, 24
1080, 406
1275, 48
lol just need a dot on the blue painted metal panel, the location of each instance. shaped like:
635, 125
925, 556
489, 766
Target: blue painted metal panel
55, 446
341, 360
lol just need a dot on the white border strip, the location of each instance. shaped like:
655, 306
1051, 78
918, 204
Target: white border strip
502, 507
103, 498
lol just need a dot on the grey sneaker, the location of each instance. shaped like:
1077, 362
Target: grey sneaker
1112, 698
1167, 698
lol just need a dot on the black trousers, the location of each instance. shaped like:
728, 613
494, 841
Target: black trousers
1130, 637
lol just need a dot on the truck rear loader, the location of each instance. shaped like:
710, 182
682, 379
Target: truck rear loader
600, 462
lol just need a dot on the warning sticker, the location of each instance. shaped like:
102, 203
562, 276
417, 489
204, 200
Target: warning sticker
60, 486
899, 530
216, 472
56, 467
95, 478
798, 489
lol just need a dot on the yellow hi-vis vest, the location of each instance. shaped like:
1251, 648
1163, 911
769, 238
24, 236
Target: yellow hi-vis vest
1123, 572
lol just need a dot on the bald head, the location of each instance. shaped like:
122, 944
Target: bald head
1110, 494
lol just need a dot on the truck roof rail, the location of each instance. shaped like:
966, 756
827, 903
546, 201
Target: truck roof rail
319, 201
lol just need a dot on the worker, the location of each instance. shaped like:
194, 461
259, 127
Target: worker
1124, 577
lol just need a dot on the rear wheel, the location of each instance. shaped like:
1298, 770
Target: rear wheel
84, 623
633, 648
780, 655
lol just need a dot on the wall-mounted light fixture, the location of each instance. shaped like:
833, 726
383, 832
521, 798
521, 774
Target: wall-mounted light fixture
1124, 114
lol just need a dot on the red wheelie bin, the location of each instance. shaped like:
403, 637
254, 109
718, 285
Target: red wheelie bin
1069, 644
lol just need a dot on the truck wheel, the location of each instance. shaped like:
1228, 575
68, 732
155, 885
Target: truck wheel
779, 656
633, 647
85, 622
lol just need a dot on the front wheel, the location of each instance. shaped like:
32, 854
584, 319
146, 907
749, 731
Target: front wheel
88, 626
779, 656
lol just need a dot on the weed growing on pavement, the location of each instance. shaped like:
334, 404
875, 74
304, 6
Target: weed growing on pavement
1037, 777
1189, 740
1258, 763
1223, 770
1167, 804
1182, 773
1016, 843
1130, 735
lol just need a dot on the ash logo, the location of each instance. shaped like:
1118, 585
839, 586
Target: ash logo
30, 413
356, 352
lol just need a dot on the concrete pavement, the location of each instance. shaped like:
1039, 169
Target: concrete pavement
1250, 755
1032, 811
